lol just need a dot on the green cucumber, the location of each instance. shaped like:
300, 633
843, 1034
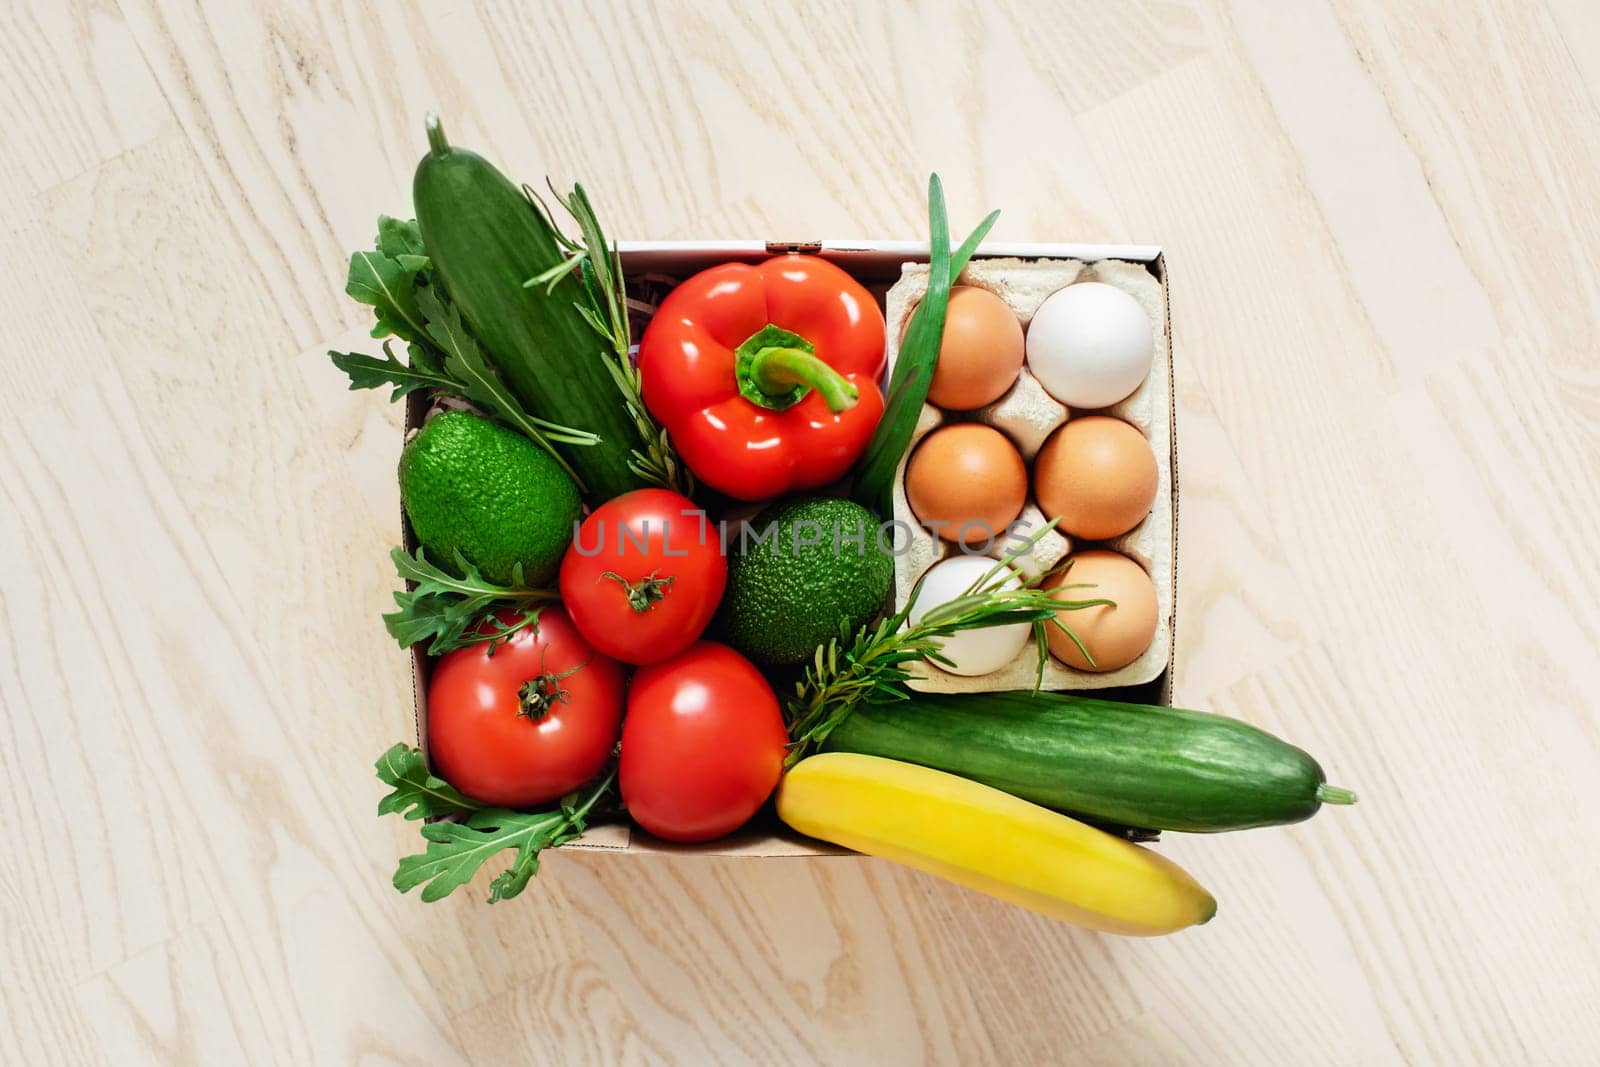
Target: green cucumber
1129, 764
486, 238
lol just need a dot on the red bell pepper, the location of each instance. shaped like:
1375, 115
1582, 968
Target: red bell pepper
765, 376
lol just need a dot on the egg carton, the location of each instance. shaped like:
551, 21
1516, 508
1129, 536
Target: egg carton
1028, 416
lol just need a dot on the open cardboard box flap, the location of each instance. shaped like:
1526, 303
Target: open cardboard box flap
877, 265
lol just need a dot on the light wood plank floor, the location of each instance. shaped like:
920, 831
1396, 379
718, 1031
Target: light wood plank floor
1381, 220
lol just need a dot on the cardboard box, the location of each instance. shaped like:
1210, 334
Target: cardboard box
877, 265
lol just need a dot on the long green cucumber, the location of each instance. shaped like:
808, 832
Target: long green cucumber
1148, 767
485, 239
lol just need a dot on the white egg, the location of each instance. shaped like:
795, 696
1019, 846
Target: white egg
1090, 345
971, 652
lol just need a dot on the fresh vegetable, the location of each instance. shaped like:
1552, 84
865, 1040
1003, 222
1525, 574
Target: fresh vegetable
1149, 767
819, 565
871, 662
525, 721
644, 575
919, 354
485, 237
765, 376
479, 490
987, 840
452, 611
702, 745
458, 849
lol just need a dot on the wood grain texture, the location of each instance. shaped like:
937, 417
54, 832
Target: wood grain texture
1380, 225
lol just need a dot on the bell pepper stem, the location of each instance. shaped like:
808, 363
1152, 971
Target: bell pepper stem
777, 370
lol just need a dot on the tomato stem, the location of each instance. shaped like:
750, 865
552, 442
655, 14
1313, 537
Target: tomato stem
533, 701
645, 592
539, 694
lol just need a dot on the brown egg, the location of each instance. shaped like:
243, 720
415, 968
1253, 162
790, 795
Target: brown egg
1114, 636
970, 478
1097, 475
981, 351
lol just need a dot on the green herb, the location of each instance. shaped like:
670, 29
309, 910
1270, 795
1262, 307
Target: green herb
416, 793
605, 308
397, 280
457, 850
446, 610
388, 286
870, 664
370, 372
401, 241
919, 351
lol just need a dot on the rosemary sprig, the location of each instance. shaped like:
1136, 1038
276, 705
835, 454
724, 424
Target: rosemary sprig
605, 308
870, 664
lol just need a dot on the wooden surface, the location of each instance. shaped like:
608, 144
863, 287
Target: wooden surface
1382, 232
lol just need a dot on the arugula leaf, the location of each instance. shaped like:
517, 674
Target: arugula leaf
391, 290
427, 360
456, 851
387, 278
444, 609
401, 241
495, 631
416, 793
370, 372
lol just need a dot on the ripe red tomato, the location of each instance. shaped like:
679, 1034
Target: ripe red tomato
644, 575
702, 745
529, 722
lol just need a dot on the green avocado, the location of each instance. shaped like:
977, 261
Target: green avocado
478, 488
797, 573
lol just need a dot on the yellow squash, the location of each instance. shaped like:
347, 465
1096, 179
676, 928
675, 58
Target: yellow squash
990, 841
